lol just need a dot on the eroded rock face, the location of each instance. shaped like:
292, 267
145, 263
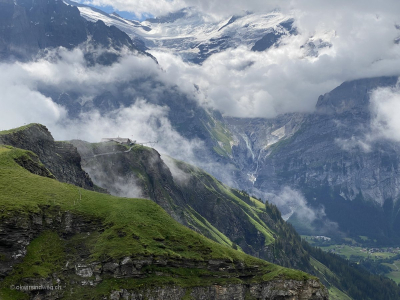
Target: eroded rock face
329, 157
30, 27
275, 290
17, 232
61, 159
32, 163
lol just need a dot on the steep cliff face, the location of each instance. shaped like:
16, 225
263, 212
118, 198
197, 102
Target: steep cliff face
28, 27
280, 289
254, 136
61, 241
329, 158
102, 247
61, 159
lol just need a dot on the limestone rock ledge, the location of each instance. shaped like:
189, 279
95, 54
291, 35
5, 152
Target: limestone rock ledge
224, 279
279, 289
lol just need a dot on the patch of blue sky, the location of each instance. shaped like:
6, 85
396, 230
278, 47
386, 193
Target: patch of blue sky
125, 14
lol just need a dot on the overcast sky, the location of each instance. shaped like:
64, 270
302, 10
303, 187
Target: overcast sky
328, 11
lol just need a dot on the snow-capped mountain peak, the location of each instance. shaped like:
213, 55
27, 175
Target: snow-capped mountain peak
195, 36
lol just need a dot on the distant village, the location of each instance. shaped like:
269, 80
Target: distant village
339, 249
369, 251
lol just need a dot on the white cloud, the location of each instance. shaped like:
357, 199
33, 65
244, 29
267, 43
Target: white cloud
242, 83
67, 70
20, 104
239, 82
290, 201
180, 177
281, 80
140, 7
384, 106
385, 109
355, 143
144, 120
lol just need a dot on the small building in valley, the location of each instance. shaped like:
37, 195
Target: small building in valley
122, 141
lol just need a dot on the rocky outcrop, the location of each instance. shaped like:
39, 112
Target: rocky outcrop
32, 163
80, 271
352, 97
60, 158
139, 173
17, 232
275, 290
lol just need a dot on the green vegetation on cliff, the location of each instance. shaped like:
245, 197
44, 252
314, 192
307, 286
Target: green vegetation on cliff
18, 129
24, 193
195, 199
220, 134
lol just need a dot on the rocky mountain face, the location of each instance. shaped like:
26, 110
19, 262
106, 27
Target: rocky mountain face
128, 26
253, 136
188, 34
61, 159
322, 155
28, 28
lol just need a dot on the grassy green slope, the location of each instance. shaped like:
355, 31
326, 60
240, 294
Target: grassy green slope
154, 231
13, 130
252, 208
195, 199
253, 225
328, 277
220, 134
